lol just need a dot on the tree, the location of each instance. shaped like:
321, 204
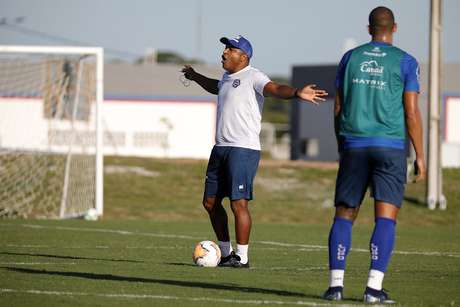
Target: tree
169, 57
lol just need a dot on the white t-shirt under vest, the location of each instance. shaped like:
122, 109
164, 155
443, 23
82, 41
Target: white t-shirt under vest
239, 108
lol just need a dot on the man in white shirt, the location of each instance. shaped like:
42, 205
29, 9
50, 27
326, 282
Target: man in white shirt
235, 157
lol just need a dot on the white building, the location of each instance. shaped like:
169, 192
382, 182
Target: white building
147, 111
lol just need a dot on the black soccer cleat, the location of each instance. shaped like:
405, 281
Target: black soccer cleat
233, 261
333, 294
373, 296
225, 261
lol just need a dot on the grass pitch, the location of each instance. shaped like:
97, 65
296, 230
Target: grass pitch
140, 253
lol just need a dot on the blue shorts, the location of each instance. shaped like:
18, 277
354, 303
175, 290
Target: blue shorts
383, 169
231, 172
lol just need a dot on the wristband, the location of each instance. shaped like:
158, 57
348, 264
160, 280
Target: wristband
296, 94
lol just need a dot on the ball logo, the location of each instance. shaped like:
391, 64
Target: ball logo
236, 83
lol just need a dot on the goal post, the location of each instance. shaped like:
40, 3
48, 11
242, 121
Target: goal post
51, 137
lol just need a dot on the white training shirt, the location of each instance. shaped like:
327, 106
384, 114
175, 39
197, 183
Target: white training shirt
239, 108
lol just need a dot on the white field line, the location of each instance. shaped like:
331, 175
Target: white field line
152, 247
319, 247
50, 246
271, 243
114, 231
96, 247
317, 268
38, 263
166, 297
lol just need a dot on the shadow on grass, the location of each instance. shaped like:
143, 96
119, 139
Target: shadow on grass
66, 257
180, 283
181, 264
415, 201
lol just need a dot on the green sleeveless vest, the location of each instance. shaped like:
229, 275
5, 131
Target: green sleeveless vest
372, 104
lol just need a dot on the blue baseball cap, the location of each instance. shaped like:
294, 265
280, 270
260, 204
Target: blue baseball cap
238, 42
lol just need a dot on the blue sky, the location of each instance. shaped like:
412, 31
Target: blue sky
283, 33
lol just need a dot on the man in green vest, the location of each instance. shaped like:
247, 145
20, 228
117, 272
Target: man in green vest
375, 104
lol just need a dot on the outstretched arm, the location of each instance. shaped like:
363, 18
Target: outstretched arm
308, 92
415, 130
208, 84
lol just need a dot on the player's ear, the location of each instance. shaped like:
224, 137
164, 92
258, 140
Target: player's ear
369, 30
244, 57
395, 28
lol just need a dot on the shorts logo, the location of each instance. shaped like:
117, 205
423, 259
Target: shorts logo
241, 187
236, 83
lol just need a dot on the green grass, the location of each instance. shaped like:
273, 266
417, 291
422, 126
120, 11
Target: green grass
285, 192
140, 253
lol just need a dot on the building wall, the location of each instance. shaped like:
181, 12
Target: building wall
312, 127
169, 129
451, 132
312, 130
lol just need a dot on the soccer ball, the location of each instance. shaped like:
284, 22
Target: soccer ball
91, 215
207, 254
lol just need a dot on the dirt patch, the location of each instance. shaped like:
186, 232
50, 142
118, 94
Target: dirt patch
299, 164
278, 184
286, 171
137, 170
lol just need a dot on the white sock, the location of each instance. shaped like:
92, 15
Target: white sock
375, 279
336, 278
225, 247
242, 251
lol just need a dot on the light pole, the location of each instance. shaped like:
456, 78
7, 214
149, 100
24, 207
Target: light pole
434, 183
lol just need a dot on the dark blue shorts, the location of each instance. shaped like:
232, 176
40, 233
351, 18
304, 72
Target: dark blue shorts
231, 172
383, 169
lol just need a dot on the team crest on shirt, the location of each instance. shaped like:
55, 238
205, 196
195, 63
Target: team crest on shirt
236, 83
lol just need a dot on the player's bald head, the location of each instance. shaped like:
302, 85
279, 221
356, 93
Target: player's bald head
381, 20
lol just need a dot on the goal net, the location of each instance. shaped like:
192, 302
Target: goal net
50, 132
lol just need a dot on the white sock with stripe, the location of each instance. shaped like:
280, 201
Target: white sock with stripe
336, 278
375, 279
